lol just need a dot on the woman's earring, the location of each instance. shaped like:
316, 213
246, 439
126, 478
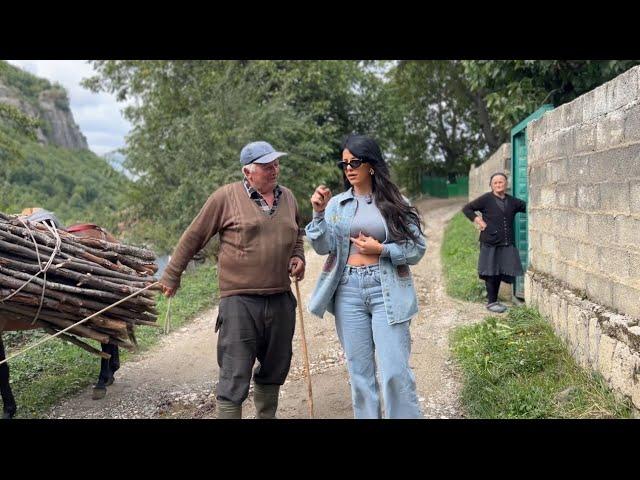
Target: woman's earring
371, 172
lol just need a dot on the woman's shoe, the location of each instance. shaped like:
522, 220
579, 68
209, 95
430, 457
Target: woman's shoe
496, 307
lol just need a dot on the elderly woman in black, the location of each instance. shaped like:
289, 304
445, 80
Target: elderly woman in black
499, 258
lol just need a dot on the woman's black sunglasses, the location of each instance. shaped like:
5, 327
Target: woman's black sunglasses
355, 163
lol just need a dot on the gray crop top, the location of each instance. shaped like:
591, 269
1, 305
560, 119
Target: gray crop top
367, 220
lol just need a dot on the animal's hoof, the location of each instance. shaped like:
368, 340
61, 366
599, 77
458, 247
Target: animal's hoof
98, 392
110, 381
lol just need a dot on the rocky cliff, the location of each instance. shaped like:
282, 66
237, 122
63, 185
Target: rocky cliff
48, 103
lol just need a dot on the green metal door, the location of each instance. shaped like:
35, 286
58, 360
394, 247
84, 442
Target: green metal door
520, 189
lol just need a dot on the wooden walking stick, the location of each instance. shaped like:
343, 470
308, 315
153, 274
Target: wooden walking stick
307, 371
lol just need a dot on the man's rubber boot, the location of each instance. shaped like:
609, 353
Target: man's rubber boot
265, 398
228, 410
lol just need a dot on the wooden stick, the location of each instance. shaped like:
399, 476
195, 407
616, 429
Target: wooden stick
305, 354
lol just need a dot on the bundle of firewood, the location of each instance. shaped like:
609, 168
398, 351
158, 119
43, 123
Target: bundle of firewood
85, 276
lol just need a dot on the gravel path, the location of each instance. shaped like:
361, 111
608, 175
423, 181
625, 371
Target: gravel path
177, 378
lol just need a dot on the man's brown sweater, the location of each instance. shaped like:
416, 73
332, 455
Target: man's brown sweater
255, 248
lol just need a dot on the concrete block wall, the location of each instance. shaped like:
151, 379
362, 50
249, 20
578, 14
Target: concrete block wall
584, 227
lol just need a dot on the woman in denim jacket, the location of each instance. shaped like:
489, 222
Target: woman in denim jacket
372, 234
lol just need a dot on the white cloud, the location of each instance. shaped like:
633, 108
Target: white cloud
97, 114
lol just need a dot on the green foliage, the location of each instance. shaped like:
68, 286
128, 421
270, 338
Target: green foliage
45, 375
78, 186
441, 133
515, 367
27, 84
193, 118
514, 89
459, 253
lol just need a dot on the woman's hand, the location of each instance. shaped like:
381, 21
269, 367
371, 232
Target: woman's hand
320, 198
367, 245
481, 223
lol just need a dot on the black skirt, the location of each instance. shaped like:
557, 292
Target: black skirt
503, 261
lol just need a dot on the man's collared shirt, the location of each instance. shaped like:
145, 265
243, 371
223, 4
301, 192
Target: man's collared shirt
259, 199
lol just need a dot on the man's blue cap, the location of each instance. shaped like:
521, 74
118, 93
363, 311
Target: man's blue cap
258, 152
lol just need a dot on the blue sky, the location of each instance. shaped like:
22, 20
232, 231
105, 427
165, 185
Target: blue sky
98, 115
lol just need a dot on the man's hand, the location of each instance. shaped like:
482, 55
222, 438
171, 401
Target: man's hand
367, 245
320, 198
296, 268
480, 223
168, 291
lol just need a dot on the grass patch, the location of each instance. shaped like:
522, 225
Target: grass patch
42, 377
459, 253
515, 367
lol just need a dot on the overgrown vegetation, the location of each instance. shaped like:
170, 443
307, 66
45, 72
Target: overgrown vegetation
459, 253
515, 367
42, 377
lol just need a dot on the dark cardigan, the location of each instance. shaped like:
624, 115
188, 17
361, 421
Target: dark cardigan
499, 229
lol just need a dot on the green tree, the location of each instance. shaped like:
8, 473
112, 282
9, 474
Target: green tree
513, 89
191, 118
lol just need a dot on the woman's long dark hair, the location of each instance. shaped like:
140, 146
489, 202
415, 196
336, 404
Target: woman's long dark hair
395, 211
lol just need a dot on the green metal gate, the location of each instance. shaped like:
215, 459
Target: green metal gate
520, 189
443, 187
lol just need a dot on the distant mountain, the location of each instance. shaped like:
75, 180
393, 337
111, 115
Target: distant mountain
38, 98
117, 161
57, 171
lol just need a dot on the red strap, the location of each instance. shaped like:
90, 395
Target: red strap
81, 226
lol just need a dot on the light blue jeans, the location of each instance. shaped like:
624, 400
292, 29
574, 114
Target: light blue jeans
364, 332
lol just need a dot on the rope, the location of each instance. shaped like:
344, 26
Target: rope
43, 270
80, 322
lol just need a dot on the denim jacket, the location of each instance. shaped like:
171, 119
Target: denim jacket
329, 234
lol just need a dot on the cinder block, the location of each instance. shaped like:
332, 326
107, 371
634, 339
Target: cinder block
567, 195
615, 197
634, 196
547, 196
626, 299
554, 304
634, 266
627, 231
589, 197
622, 90
577, 224
567, 248
587, 255
556, 171
600, 106
559, 269
578, 169
623, 366
559, 222
583, 339
614, 262
624, 163
605, 356
600, 290
566, 142
548, 243
610, 130
537, 175
573, 314
602, 229
595, 333
577, 278
585, 138
589, 105
572, 112
632, 124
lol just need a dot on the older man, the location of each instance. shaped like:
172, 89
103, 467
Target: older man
261, 244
